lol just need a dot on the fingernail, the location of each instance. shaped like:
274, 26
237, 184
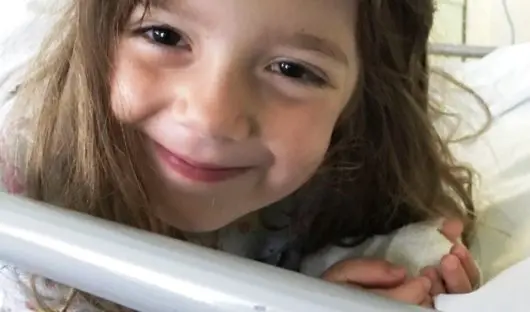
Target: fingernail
441, 224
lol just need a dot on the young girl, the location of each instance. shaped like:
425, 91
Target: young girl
267, 129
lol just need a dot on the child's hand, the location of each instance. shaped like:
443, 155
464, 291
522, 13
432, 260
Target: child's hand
457, 272
382, 278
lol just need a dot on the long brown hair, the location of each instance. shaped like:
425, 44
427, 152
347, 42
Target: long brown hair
386, 166
82, 158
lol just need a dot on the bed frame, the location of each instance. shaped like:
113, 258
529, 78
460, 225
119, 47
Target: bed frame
146, 272
458, 50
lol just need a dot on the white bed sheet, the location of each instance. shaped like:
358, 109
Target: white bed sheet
501, 155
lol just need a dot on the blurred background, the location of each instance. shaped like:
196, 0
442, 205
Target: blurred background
466, 29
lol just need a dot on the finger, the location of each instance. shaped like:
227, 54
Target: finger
454, 276
452, 229
437, 286
428, 303
412, 292
366, 273
467, 261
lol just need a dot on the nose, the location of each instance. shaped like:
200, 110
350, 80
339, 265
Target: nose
218, 103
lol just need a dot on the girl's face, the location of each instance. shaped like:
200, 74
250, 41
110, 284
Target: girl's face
237, 98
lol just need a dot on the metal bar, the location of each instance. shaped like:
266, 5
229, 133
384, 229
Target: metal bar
465, 51
465, 10
149, 273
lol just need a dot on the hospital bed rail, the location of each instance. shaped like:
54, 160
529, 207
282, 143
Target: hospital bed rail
459, 50
150, 273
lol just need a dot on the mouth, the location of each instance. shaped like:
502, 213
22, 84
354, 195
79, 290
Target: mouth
197, 171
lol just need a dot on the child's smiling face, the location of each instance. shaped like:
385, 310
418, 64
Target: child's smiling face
237, 98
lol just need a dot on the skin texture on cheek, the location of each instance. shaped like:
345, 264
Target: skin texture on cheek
299, 142
132, 81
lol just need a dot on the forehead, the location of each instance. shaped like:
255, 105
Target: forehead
340, 9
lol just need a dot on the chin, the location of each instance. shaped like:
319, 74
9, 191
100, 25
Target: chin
207, 227
199, 218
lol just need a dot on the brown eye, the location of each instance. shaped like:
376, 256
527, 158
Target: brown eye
297, 72
292, 70
165, 36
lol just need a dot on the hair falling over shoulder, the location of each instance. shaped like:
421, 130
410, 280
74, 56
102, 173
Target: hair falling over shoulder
386, 167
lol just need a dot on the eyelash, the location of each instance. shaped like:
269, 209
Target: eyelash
163, 32
291, 70
299, 73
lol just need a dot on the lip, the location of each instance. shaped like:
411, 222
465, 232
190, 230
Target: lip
197, 171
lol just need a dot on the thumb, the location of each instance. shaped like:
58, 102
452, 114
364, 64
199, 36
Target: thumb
366, 273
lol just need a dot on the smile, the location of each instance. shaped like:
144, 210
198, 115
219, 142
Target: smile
195, 171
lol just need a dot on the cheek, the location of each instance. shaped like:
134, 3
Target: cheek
299, 140
132, 88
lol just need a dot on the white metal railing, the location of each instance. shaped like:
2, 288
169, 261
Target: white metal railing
149, 273
460, 50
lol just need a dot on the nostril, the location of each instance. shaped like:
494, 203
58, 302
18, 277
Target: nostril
221, 126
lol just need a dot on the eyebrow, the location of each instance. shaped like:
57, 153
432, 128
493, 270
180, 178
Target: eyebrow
182, 8
161, 4
320, 45
172, 6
